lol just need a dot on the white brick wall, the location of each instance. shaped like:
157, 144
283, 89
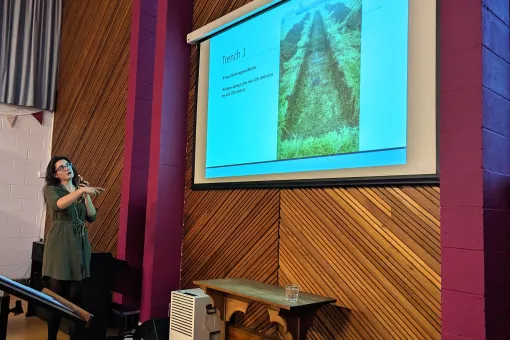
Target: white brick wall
25, 150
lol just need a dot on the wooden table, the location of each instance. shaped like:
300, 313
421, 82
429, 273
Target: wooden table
235, 295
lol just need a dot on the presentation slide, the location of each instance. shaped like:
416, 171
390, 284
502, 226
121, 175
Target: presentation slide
309, 85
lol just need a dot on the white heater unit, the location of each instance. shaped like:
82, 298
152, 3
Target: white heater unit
192, 316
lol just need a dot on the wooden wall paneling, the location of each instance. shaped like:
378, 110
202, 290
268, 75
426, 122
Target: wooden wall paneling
232, 234
345, 243
89, 121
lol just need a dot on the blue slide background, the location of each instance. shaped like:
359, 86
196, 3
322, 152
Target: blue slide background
242, 128
383, 97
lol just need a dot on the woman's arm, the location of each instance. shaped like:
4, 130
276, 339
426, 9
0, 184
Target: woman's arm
66, 201
58, 203
91, 210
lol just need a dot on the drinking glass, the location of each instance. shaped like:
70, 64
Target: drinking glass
291, 292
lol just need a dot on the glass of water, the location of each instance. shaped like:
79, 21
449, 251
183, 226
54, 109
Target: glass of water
291, 292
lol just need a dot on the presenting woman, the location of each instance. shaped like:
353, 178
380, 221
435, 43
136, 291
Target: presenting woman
66, 260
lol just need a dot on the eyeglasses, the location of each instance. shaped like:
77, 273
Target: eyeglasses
65, 166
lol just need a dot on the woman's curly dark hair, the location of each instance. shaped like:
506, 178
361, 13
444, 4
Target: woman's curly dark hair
50, 178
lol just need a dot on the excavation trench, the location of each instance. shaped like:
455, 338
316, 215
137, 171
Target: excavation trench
316, 104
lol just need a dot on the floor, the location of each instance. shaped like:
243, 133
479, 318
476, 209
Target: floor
20, 327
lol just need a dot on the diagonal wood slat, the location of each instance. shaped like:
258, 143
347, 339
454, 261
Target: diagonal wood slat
90, 118
364, 246
232, 234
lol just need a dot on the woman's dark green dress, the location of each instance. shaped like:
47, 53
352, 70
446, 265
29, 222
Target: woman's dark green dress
66, 248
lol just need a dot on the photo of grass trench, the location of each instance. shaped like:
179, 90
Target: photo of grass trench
319, 80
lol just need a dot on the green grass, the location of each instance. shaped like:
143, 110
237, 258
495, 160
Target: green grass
345, 38
289, 70
335, 142
289, 45
289, 24
313, 119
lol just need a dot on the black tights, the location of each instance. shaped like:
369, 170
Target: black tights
70, 290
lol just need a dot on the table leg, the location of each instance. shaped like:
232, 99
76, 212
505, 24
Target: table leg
295, 326
226, 305
220, 303
298, 326
274, 316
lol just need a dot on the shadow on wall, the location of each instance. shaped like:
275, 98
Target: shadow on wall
341, 317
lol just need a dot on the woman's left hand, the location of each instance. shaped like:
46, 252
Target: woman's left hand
83, 183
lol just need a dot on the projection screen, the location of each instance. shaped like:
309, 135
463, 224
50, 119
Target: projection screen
317, 92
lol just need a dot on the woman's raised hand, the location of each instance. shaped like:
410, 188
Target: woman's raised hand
94, 191
82, 182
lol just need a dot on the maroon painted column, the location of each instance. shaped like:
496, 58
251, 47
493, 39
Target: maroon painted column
461, 115
137, 145
165, 194
475, 168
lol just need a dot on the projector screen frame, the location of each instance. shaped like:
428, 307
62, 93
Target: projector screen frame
243, 13
398, 180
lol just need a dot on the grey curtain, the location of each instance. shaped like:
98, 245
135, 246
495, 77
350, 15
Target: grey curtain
29, 45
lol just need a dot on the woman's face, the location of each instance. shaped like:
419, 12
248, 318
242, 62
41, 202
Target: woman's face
64, 170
